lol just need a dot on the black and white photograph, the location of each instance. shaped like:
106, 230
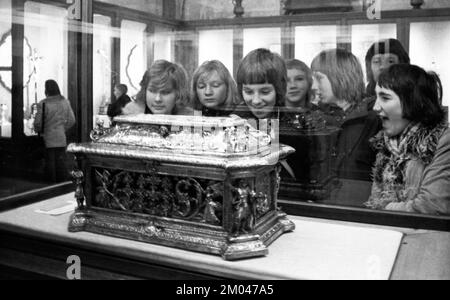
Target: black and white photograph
229, 147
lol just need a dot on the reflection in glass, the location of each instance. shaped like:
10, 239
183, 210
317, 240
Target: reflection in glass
133, 55
310, 40
43, 60
363, 36
102, 63
269, 38
162, 43
5, 71
429, 49
216, 45
5, 104
5, 45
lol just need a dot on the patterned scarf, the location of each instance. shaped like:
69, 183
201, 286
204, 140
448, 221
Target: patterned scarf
416, 142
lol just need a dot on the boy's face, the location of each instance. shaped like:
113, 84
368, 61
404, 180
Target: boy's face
161, 101
260, 98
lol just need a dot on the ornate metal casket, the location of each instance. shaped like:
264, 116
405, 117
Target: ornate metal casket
197, 183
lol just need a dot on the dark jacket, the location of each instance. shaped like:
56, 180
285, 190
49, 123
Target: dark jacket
115, 108
354, 155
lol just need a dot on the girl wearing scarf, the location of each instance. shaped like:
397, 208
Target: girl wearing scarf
412, 170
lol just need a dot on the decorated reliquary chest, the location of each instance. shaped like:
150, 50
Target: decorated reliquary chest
202, 184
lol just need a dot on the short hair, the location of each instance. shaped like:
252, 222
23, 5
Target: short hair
295, 64
262, 66
385, 46
52, 88
417, 91
205, 70
163, 73
344, 71
122, 88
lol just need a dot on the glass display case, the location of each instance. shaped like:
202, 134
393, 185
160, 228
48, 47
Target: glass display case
96, 45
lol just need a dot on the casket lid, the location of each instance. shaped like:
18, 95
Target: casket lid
273, 156
190, 135
171, 120
224, 142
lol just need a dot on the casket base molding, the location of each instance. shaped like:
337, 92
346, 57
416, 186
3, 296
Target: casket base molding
183, 234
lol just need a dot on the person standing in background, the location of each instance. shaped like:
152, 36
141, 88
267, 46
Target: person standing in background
54, 118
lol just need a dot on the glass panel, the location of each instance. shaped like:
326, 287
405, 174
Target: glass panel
102, 64
269, 38
43, 60
429, 48
5, 33
162, 43
5, 104
310, 40
5, 62
363, 36
133, 55
216, 44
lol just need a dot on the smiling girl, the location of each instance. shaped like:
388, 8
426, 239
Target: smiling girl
412, 170
299, 93
262, 82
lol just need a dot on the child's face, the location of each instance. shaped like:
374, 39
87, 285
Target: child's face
297, 86
323, 88
211, 90
381, 62
161, 101
117, 92
389, 108
260, 98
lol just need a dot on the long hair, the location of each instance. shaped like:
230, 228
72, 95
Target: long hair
163, 73
344, 71
295, 64
203, 72
262, 66
52, 88
417, 91
387, 46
